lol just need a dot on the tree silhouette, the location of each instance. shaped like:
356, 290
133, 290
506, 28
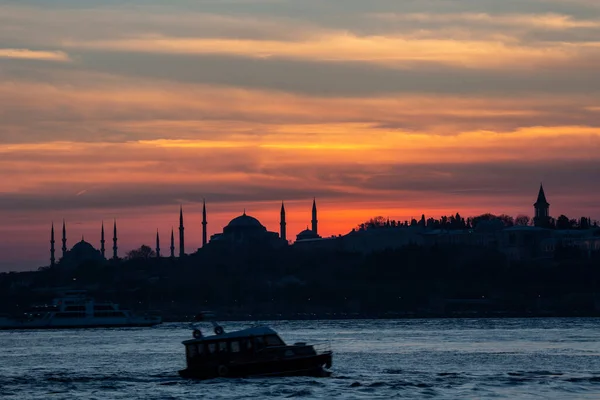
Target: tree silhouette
507, 220
563, 222
522, 220
144, 252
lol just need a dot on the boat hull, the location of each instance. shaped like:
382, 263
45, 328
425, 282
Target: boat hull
295, 366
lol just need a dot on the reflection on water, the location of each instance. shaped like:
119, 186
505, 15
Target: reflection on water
451, 358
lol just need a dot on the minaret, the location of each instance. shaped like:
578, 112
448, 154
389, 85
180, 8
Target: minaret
282, 224
542, 209
64, 239
172, 244
52, 259
181, 238
115, 248
314, 217
157, 245
204, 223
102, 242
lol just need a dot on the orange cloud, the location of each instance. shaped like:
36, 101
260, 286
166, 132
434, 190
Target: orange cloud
26, 54
388, 50
551, 21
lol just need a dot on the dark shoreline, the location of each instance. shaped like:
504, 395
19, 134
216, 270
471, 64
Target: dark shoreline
320, 317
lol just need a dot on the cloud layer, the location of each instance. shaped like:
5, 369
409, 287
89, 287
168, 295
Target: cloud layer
381, 107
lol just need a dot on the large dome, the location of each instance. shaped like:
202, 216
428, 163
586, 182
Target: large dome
245, 221
83, 247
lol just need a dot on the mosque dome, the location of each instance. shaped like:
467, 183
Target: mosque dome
83, 247
307, 234
245, 221
80, 253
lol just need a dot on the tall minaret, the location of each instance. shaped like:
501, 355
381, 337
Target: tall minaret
204, 222
314, 217
181, 238
64, 239
172, 244
282, 229
52, 259
115, 248
102, 242
157, 245
542, 209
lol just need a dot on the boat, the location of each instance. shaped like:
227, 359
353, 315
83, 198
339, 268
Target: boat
253, 352
77, 310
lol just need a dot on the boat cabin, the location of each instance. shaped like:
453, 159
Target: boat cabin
235, 346
257, 351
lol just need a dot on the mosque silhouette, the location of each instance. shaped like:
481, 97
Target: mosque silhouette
241, 230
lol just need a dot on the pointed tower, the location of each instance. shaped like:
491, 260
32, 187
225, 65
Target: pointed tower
282, 224
52, 259
172, 244
102, 242
157, 245
542, 209
64, 239
115, 247
314, 217
204, 223
181, 236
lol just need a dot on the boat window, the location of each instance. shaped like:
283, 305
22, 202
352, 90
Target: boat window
102, 314
212, 348
75, 308
249, 345
192, 351
103, 307
273, 340
260, 342
222, 347
200, 348
70, 315
235, 347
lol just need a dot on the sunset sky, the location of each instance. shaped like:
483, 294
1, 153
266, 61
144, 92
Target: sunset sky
127, 109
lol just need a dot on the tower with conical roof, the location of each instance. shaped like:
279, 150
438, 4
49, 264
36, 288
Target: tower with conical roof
314, 217
102, 242
542, 209
115, 247
204, 223
52, 259
172, 244
157, 245
181, 235
64, 239
282, 224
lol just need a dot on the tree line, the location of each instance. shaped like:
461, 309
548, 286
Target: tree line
456, 222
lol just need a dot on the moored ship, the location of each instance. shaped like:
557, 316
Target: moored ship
77, 310
252, 352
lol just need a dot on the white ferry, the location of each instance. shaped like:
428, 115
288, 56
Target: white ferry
76, 310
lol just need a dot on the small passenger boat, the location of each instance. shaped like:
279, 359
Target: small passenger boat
256, 351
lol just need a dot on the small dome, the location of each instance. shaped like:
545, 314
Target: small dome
244, 221
307, 234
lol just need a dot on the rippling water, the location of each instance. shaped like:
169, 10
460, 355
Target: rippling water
452, 358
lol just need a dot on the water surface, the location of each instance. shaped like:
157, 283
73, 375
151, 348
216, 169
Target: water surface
438, 358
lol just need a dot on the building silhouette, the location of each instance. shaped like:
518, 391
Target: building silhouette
181, 233
282, 224
204, 223
541, 209
157, 245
